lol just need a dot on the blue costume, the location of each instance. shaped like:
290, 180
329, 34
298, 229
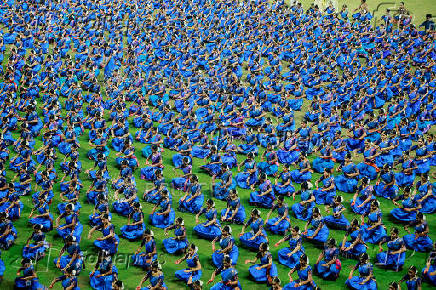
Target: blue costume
331, 271
227, 275
192, 262
323, 233
148, 256
390, 260
110, 244
264, 197
206, 230
373, 233
303, 210
178, 243
365, 270
279, 224
133, 232
418, 241
263, 274
303, 275
232, 252
160, 218
248, 239
284, 254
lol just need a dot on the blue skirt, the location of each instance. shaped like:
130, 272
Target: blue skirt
229, 160
147, 173
421, 244
354, 283
423, 166
245, 149
221, 286
394, 262
67, 232
132, 232
283, 190
143, 260
184, 276
179, 183
428, 205
402, 215
288, 157
404, 180
354, 252
252, 244
2, 268
239, 217
221, 192
173, 246
299, 177
367, 170
291, 286
353, 144
178, 159
321, 237
344, 184
199, 152
101, 282
193, 206
261, 275
131, 162
65, 260
268, 169
374, 235
212, 169
265, 201
302, 212
389, 192
242, 177
324, 197
122, 207
146, 151
254, 122
280, 228
153, 196
340, 223
21, 283
209, 232
217, 257
289, 261
427, 277
64, 148
363, 209
110, 245
330, 272
161, 221
319, 164
45, 222
34, 253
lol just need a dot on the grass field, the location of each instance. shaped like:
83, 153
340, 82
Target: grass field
131, 275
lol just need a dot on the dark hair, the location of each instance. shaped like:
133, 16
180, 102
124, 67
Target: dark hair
264, 246
304, 186
331, 242
363, 257
303, 257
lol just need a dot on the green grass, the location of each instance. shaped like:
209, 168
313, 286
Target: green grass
131, 275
